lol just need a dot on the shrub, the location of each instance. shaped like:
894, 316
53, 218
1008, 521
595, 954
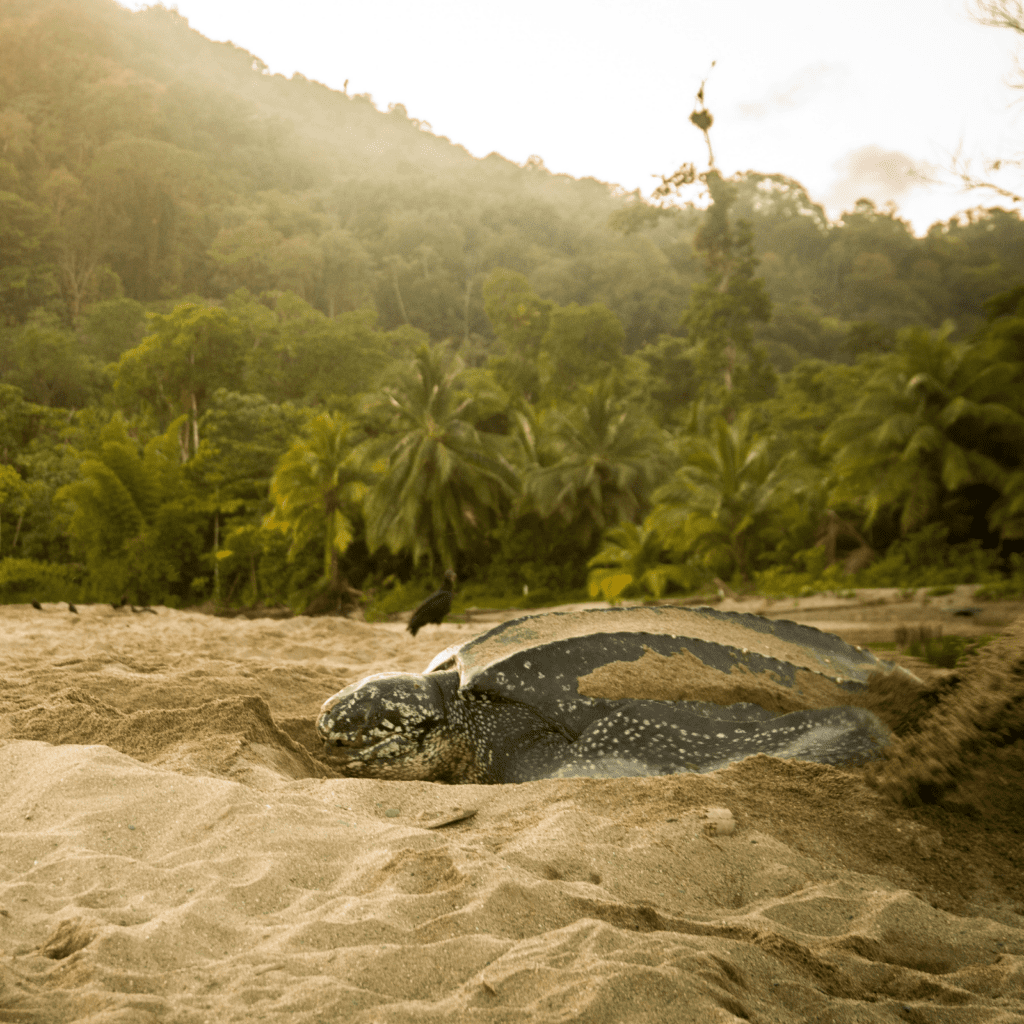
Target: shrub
924, 559
1005, 589
24, 579
936, 649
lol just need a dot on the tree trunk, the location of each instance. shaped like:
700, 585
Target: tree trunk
17, 531
183, 442
216, 560
398, 295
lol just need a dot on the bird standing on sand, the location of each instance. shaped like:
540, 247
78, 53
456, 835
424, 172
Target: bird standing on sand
72, 608
38, 607
435, 607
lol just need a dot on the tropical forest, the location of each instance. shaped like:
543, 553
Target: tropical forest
265, 345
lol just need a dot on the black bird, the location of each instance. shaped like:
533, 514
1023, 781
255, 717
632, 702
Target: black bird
435, 607
38, 607
72, 608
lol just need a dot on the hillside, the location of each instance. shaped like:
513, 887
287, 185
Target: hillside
263, 342
139, 155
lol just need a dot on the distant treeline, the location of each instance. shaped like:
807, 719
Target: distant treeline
260, 341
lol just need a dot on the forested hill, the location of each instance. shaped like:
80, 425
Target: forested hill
133, 144
262, 342
137, 155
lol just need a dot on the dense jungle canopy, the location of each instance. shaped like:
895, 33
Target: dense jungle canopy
261, 342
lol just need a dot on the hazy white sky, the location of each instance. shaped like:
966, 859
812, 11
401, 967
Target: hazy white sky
846, 97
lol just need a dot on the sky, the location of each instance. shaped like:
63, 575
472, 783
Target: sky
860, 98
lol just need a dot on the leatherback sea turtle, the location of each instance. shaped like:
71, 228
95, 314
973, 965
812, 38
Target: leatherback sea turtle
507, 707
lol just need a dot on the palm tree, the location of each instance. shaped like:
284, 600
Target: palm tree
631, 563
596, 462
317, 487
933, 420
132, 516
441, 480
725, 496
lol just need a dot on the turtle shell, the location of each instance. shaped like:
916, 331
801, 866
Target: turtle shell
537, 660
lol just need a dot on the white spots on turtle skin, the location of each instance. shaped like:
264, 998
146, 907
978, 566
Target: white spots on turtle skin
403, 726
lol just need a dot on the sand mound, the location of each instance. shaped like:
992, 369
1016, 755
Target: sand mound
234, 738
171, 851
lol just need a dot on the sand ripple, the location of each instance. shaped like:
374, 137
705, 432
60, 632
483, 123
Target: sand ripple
171, 851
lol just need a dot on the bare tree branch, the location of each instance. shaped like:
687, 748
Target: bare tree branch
993, 14
999, 14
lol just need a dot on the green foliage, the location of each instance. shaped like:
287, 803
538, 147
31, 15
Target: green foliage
519, 320
298, 250
673, 383
631, 563
441, 481
936, 649
935, 419
581, 346
718, 320
293, 352
24, 579
729, 498
1008, 589
395, 596
525, 552
45, 362
189, 353
111, 327
921, 559
13, 496
809, 400
131, 519
317, 490
779, 581
594, 465
243, 436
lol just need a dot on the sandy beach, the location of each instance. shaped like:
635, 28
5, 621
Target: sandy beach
173, 849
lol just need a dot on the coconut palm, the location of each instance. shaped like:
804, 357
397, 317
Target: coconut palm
726, 496
631, 563
317, 489
441, 480
934, 419
596, 464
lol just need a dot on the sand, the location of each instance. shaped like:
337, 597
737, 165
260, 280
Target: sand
173, 850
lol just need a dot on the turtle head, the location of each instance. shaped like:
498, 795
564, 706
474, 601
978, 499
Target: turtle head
389, 726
